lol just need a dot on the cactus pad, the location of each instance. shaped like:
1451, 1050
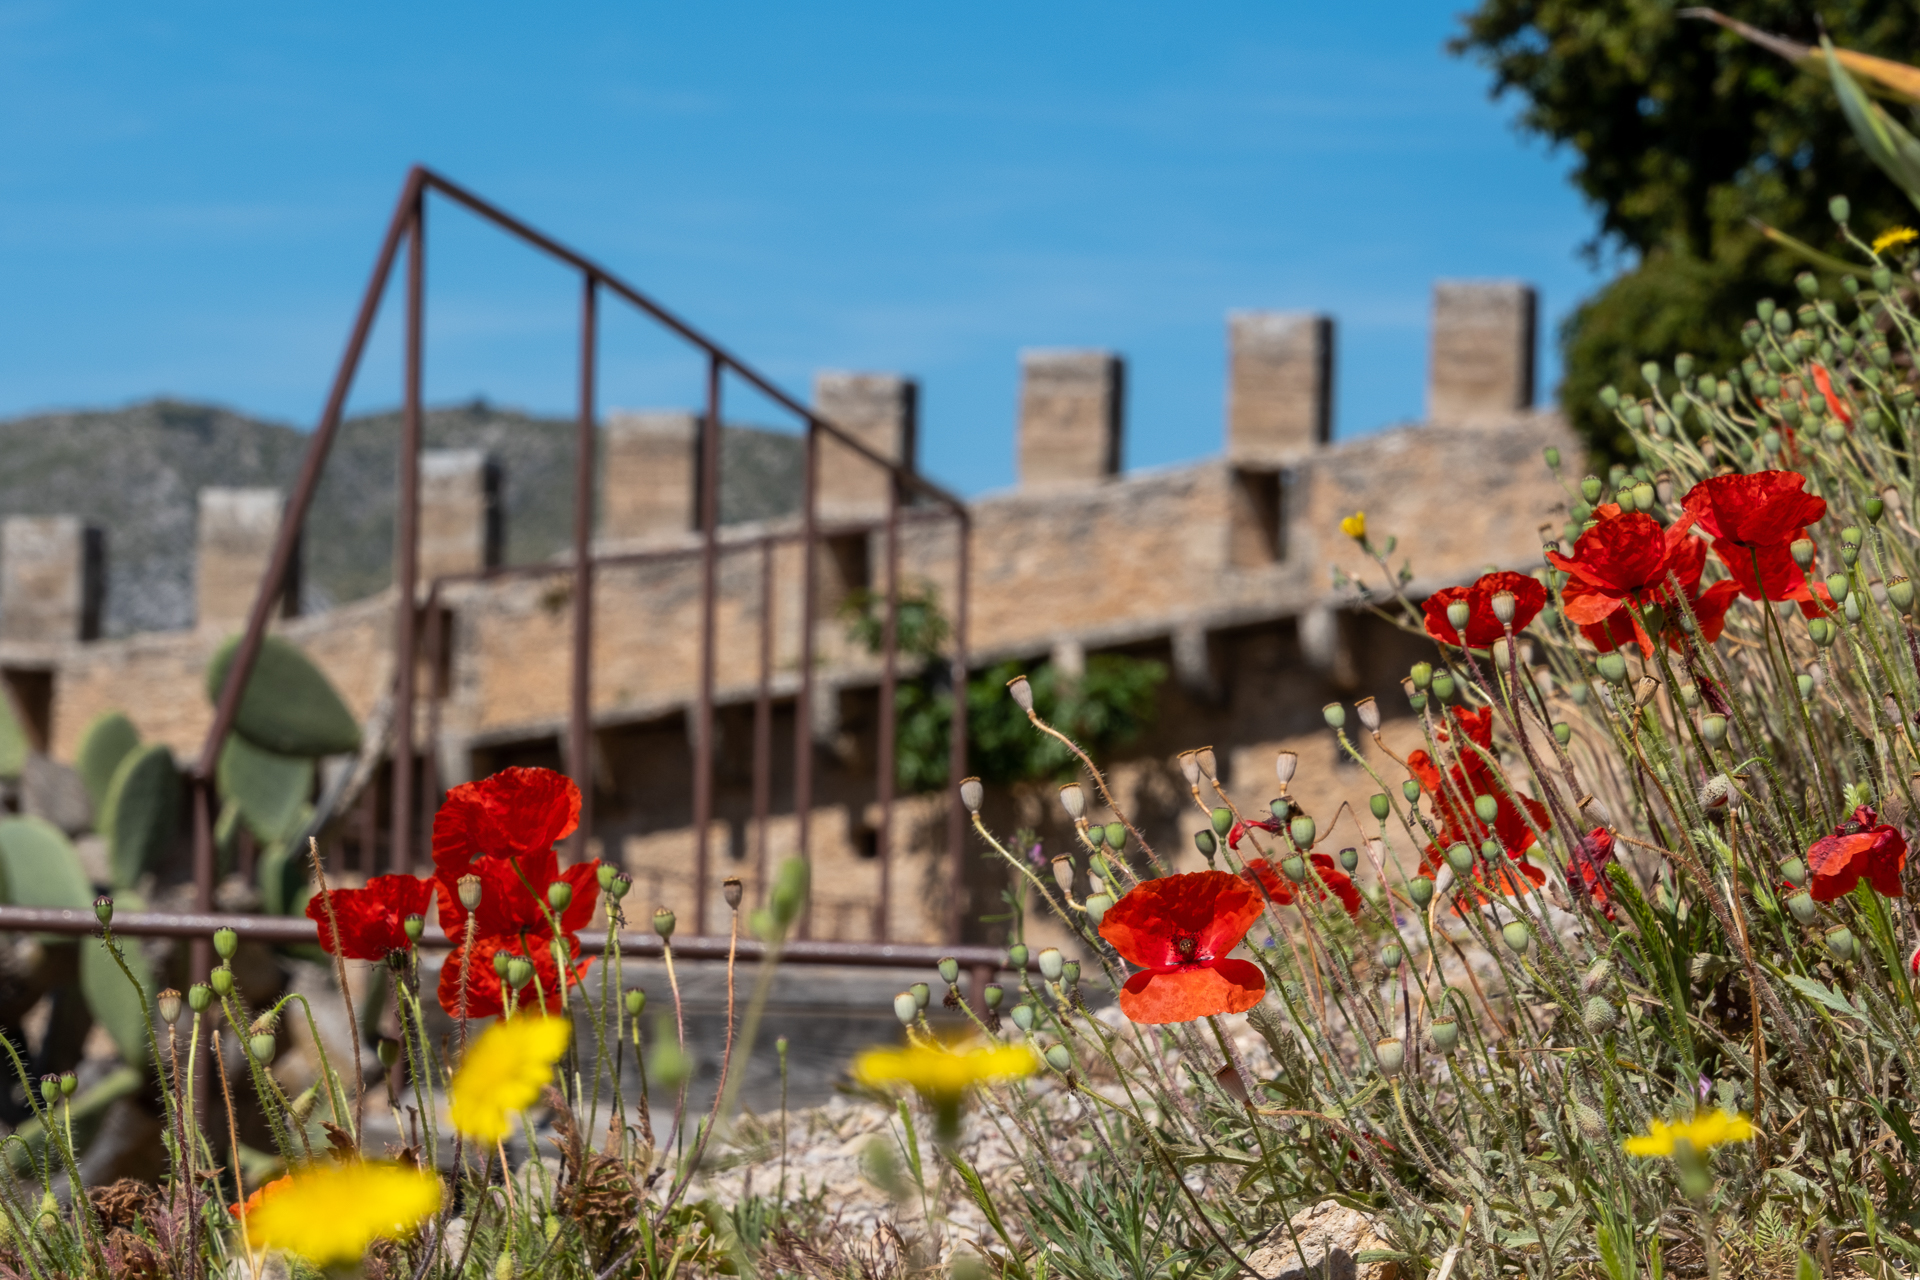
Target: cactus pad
289, 706
141, 817
270, 788
103, 745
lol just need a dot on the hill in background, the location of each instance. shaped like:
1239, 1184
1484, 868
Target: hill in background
135, 472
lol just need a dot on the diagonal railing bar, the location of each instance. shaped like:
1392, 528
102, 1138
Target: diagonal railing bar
408, 225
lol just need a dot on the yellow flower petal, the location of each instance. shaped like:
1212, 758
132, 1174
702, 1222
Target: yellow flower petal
1707, 1129
331, 1213
941, 1073
503, 1073
1893, 238
1355, 525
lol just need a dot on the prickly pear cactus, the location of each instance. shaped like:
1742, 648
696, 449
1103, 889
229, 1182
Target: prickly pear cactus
13, 741
110, 739
289, 707
38, 867
141, 816
270, 789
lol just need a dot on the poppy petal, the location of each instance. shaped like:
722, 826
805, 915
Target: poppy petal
1228, 986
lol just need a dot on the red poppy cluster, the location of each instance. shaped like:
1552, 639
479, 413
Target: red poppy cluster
1626, 559
1754, 520
1182, 930
1862, 846
1483, 624
502, 830
1453, 796
1323, 874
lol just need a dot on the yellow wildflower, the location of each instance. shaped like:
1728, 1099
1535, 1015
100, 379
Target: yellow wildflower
1355, 525
331, 1213
503, 1072
942, 1074
1893, 238
1706, 1130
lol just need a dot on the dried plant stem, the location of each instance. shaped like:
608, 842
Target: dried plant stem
346, 993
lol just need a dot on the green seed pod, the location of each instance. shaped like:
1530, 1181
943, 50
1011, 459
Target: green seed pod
1612, 667
1022, 1016
1486, 808
1459, 612
501, 959
559, 895
1599, 1015
1805, 684
1882, 279
1116, 836
519, 972
1379, 806
1851, 609
1803, 907
1795, 872
1421, 674
1017, 957
1420, 889
1294, 867
1097, 836
222, 980
1460, 858
1562, 732
1059, 1059
225, 943
1643, 497
414, 927
1279, 807
1349, 860
103, 910
1764, 309
1553, 458
1205, 842
1222, 821
1683, 366
906, 1008
1410, 789
50, 1088
1391, 1056
1820, 631
1335, 714
1517, 935
1610, 397
1391, 955
1900, 594
1651, 372
1070, 974
949, 970
1097, 905
1714, 729
636, 1002
1840, 943
1443, 684
261, 1046
923, 994
199, 997
994, 994
663, 923
1445, 1033
1052, 964
1849, 551
1302, 830
1840, 209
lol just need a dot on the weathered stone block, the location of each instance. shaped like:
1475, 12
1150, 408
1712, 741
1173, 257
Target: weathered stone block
1072, 410
1483, 341
236, 532
652, 475
881, 411
461, 528
1279, 385
52, 578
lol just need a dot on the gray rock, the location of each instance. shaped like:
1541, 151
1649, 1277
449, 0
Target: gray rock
1322, 1242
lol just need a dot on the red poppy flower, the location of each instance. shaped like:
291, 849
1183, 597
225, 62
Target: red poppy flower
503, 829
1626, 559
1861, 846
484, 998
1754, 520
1587, 870
371, 919
1453, 799
1326, 877
1180, 930
1824, 381
261, 1194
1483, 628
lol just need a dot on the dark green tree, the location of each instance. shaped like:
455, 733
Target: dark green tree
1684, 134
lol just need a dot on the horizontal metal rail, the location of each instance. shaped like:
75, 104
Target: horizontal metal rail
288, 930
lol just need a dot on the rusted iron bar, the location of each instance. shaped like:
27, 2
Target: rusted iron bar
580, 709
957, 742
709, 603
763, 727
291, 930
803, 703
889, 646
406, 607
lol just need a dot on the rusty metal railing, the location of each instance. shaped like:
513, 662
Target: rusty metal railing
408, 226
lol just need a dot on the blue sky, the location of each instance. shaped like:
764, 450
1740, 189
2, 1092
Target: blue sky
191, 195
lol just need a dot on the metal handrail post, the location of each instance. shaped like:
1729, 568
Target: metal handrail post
580, 707
407, 571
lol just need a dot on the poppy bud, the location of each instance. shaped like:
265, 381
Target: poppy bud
1486, 808
1795, 872
1410, 789
1391, 955
663, 922
1096, 836
603, 872
906, 1008
972, 792
994, 994
1596, 976
1590, 486
1116, 836
1900, 594
1562, 732
1805, 684
103, 910
1017, 957
225, 943
222, 980
1599, 1016
1612, 668
732, 891
1070, 973
1074, 801
1022, 693
1460, 858
1873, 509
1391, 1055
1023, 1016
261, 1046
636, 1002
413, 926
921, 993
1840, 943
50, 1088
1222, 821
1059, 1059
1335, 715
1379, 805
949, 969
1803, 908
1420, 889
1458, 612
1443, 685
199, 997
1302, 830
1714, 729
1369, 714
519, 972
1445, 1033
1349, 859
1052, 964
469, 889
1517, 935
1205, 842
1840, 208
1097, 905
1294, 867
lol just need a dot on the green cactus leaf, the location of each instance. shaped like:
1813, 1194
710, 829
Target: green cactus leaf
141, 817
39, 866
289, 706
270, 788
112, 1000
13, 741
226, 827
103, 745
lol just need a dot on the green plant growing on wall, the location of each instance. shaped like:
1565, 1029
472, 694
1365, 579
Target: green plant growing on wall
1104, 707
104, 743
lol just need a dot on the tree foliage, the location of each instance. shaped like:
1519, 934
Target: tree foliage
1682, 134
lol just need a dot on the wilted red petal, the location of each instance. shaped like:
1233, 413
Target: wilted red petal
371, 919
1268, 825
1212, 910
1338, 881
1822, 380
1226, 986
1837, 863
